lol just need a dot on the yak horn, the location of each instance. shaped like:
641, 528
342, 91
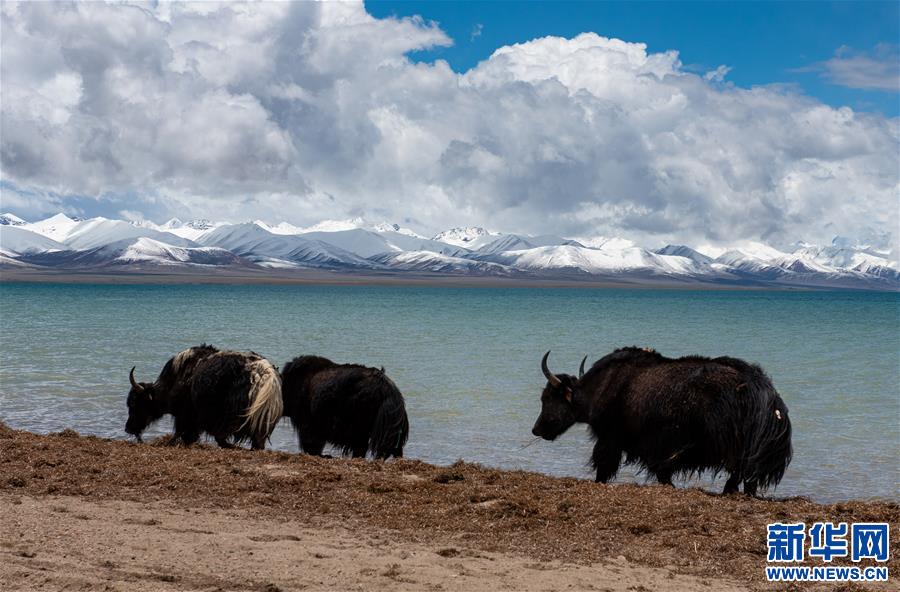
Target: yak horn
581, 368
553, 378
131, 378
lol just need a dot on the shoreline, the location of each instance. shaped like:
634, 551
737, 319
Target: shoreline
157, 276
404, 521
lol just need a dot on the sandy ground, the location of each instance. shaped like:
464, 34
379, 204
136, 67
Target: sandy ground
83, 513
66, 543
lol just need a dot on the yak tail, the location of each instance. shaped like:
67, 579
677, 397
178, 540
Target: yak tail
769, 448
266, 404
391, 426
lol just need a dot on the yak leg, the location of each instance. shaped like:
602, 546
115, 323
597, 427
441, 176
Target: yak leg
750, 488
359, 450
606, 459
311, 445
186, 431
257, 443
191, 437
223, 442
664, 477
731, 486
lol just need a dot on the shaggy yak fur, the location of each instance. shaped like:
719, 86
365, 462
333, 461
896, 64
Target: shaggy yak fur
673, 416
356, 408
233, 396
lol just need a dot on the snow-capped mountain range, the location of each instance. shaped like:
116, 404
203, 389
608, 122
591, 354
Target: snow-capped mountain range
355, 246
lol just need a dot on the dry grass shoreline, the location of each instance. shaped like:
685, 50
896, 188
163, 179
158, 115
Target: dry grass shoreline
465, 511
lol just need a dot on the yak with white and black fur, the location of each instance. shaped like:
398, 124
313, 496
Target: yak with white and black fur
673, 416
233, 396
353, 407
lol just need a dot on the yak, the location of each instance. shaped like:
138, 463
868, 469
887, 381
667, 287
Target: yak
233, 396
353, 407
673, 416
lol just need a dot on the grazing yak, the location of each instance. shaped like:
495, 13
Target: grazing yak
673, 416
356, 408
233, 396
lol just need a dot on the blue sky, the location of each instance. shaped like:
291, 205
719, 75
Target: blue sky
762, 42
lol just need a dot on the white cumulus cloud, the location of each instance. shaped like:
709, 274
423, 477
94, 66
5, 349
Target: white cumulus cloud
304, 111
878, 70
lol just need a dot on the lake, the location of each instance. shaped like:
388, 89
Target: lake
468, 360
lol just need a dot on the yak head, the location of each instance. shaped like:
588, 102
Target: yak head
558, 403
144, 406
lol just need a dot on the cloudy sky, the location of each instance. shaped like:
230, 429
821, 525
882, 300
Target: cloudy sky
305, 111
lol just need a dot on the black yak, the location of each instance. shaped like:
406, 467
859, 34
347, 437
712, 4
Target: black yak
233, 396
673, 416
355, 408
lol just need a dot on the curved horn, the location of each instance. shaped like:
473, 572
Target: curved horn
553, 378
133, 382
581, 368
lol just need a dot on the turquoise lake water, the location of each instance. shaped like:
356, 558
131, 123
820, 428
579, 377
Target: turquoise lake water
468, 360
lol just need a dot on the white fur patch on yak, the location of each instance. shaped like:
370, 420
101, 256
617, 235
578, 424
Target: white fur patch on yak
266, 405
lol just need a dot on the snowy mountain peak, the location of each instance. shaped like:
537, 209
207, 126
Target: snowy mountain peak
144, 224
323, 226
56, 227
190, 230
172, 223
683, 251
388, 227
335, 225
606, 242
752, 252
11, 220
200, 224
59, 218
285, 228
464, 236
